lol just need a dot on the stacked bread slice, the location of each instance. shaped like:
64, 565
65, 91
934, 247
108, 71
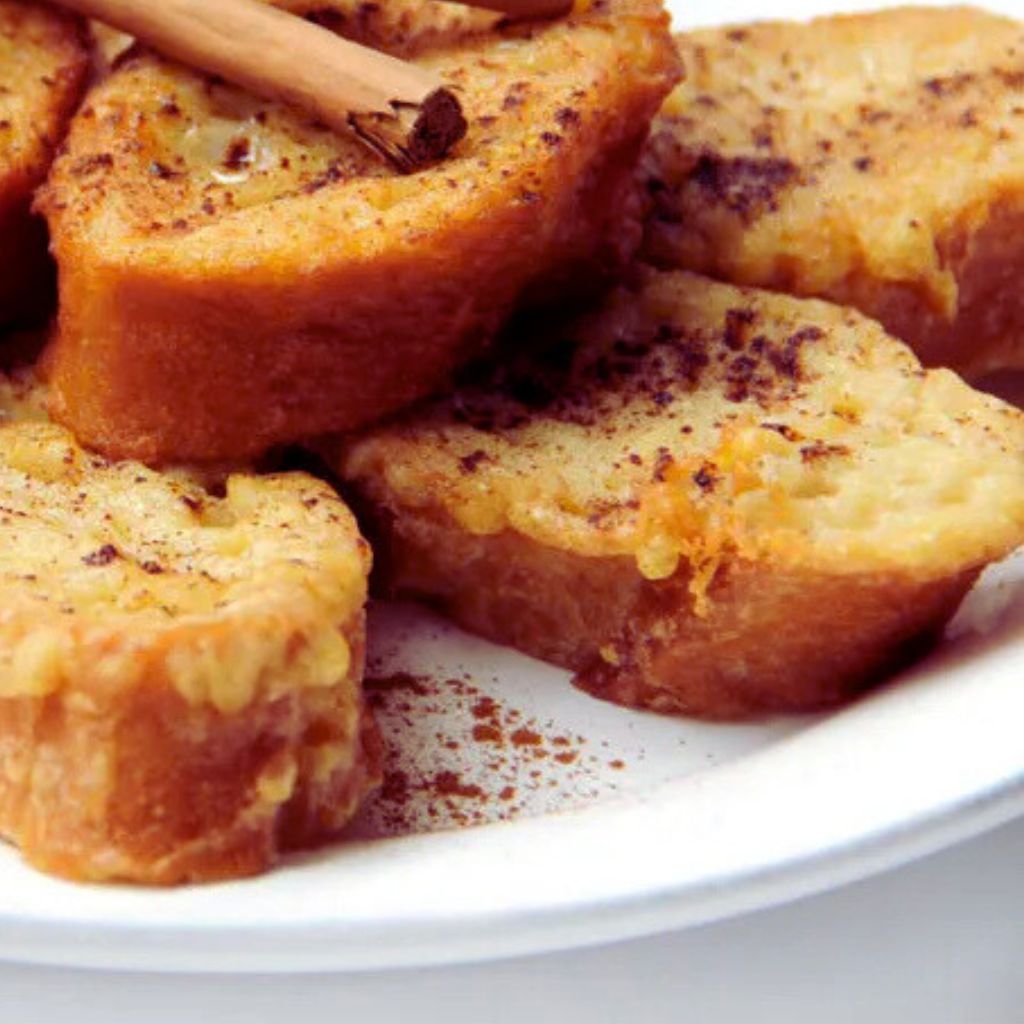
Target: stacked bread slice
180, 664
702, 499
233, 277
876, 160
43, 66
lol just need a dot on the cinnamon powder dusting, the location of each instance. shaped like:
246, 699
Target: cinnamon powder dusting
458, 757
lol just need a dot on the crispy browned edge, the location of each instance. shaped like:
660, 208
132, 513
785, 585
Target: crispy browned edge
987, 333
773, 640
141, 786
27, 274
163, 368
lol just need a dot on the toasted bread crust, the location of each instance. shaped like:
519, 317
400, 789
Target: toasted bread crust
43, 68
216, 300
724, 502
770, 642
143, 786
179, 673
781, 162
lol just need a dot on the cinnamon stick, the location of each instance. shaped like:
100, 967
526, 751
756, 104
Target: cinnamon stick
523, 10
401, 110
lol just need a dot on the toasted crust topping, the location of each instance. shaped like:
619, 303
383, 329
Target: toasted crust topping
163, 153
114, 574
234, 278
180, 665
846, 156
42, 68
692, 420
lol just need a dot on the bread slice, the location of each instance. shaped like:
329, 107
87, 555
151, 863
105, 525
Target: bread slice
180, 672
708, 500
43, 66
233, 277
876, 160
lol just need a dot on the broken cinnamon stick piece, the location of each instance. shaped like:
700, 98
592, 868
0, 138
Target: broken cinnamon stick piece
524, 10
403, 111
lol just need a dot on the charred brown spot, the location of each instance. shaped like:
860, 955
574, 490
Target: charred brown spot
737, 324
516, 95
663, 462
161, 171
102, 556
468, 463
1011, 79
705, 477
820, 450
745, 185
239, 155
92, 163
743, 376
950, 85
783, 430
786, 359
331, 176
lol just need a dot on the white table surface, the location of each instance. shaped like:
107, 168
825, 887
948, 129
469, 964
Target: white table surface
938, 942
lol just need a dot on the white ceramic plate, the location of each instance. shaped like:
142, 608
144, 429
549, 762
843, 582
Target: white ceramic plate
596, 823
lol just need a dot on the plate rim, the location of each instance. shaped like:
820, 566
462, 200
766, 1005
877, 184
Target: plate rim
931, 710
335, 950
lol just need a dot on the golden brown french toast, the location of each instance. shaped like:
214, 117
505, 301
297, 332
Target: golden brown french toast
707, 500
43, 66
233, 277
876, 160
180, 672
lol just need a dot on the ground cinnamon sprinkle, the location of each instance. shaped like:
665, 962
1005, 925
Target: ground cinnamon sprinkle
451, 784
438, 775
395, 787
487, 734
486, 707
526, 738
398, 681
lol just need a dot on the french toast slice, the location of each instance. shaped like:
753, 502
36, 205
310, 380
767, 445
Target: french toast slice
708, 500
233, 277
876, 160
44, 61
180, 672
